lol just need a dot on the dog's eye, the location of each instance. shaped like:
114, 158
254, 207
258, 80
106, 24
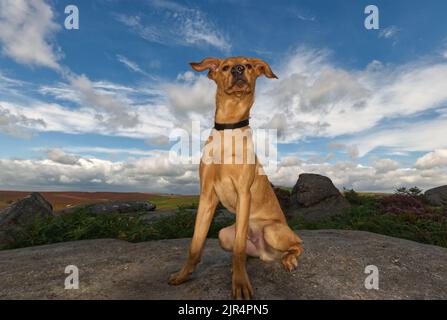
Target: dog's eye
249, 66
225, 68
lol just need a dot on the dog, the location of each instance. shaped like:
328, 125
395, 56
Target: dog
261, 229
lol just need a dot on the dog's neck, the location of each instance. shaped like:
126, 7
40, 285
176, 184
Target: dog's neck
232, 108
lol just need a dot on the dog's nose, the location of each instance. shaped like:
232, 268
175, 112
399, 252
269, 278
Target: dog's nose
237, 70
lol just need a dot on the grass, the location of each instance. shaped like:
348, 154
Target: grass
366, 214
82, 225
165, 202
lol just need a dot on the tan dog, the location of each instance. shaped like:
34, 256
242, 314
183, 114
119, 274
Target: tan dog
261, 229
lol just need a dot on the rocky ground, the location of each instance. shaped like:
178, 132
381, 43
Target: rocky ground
332, 267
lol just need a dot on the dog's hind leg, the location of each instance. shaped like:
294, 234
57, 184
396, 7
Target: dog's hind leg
226, 241
280, 237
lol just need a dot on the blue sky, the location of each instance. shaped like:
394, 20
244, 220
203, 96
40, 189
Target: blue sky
91, 109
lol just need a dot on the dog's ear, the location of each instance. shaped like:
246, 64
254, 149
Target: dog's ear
263, 67
208, 63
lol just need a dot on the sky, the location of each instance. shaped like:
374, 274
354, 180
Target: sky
92, 108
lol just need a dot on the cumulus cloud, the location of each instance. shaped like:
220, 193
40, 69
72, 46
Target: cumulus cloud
93, 107
156, 174
158, 141
385, 165
59, 156
318, 99
26, 30
200, 93
112, 110
435, 159
383, 176
157, 171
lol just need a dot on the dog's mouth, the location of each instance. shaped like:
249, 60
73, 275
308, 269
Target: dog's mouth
239, 82
238, 86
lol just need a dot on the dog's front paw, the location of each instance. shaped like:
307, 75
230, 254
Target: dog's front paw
242, 289
178, 278
289, 262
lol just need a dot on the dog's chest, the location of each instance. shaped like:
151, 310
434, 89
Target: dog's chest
226, 193
229, 147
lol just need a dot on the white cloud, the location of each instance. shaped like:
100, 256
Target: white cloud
423, 135
130, 64
129, 151
305, 18
99, 107
156, 174
315, 98
389, 32
155, 171
26, 30
385, 165
179, 24
159, 140
351, 150
59, 156
193, 94
113, 111
434, 159
17, 124
383, 176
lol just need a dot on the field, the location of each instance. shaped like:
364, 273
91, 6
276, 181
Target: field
63, 200
402, 215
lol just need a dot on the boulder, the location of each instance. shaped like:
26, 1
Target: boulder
22, 212
25, 210
125, 207
332, 267
315, 196
437, 196
283, 196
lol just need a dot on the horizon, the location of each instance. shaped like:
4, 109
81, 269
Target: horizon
91, 110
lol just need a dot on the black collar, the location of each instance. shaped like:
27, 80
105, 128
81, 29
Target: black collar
225, 126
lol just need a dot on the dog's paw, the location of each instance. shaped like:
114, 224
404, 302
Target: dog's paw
289, 262
242, 289
178, 278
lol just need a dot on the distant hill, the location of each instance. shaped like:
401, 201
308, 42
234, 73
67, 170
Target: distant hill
63, 200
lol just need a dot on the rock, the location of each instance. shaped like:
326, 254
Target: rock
437, 196
25, 210
315, 196
332, 267
283, 196
311, 189
22, 212
125, 207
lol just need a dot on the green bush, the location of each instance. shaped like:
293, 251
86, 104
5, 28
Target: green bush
82, 225
365, 215
368, 217
352, 196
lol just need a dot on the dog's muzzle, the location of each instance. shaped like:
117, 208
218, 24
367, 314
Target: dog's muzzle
237, 71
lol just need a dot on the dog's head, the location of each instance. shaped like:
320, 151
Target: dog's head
236, 75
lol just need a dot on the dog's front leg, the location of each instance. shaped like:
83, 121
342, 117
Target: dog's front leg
207, 206
241, 283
